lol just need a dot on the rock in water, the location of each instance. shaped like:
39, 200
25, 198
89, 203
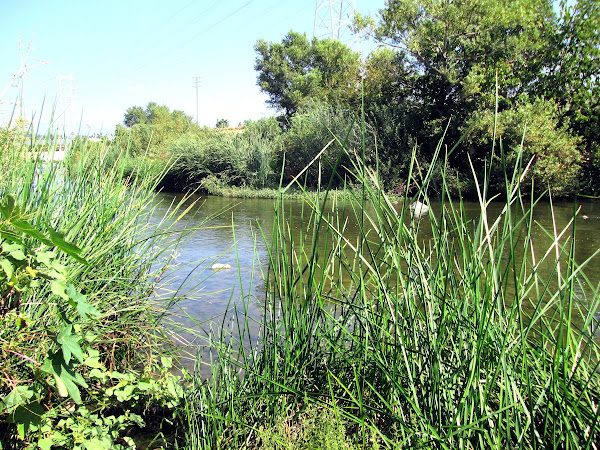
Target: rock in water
419, 209
219, 266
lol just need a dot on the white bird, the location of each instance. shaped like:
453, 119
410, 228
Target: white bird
419, 209
219, 266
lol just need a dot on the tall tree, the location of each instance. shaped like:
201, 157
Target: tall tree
464, 55
572, 78
295, 70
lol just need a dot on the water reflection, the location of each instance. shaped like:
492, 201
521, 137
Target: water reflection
233, 236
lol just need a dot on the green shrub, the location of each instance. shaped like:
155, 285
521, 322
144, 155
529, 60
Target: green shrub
322, 131
534, 125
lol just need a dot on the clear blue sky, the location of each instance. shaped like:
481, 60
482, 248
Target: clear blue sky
123, 53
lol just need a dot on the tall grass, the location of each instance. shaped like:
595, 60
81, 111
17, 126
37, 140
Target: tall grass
123, 255
459, 342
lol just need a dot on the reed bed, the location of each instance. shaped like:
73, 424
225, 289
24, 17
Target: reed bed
115, 256
391, 342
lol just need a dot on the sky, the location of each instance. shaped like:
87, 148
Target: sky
101, 57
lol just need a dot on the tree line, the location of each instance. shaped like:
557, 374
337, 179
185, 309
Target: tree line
499, 75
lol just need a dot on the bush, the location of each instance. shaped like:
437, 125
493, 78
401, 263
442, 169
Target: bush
321, 128
536, 126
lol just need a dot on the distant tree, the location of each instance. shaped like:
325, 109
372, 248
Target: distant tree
134, 116
151, 129
296, 70
222, 123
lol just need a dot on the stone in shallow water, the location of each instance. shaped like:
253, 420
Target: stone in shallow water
219, 266
419, 209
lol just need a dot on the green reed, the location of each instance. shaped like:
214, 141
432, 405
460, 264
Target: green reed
458, 342
124, 253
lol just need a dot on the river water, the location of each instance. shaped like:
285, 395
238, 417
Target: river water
229, 232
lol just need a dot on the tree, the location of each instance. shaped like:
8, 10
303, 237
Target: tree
464, 56
134, 116
298, 69
222, 123
151, 128
459, 48
572, 79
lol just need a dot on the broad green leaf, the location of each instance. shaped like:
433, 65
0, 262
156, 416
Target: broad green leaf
60, 386
28, 229
69, 343
27, 417
14, 250
12, 237
46, 443
45, 257
167, 362
8, 208
7, 267
18, 396
64, 377
99, 444
58, 287
72, 389
67, 247
84, 309
93, 360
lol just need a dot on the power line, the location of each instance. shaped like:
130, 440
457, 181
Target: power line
189, 41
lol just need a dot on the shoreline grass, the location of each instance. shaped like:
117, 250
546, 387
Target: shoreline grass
462, 343
379, 342
85, 356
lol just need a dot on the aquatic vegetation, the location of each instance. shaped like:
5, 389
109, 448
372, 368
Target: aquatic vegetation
80, 339
461, 342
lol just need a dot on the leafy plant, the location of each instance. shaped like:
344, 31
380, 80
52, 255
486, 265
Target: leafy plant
23, 271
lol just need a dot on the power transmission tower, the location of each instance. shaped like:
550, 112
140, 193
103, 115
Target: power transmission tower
66, 95
19, 77
333, 20
197, 86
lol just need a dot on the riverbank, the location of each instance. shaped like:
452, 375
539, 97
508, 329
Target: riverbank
484, 336
475, 334
85, 358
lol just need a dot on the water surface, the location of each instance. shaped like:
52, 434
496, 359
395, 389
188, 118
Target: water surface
230, 233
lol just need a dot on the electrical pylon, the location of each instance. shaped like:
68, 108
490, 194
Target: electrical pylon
333, 19
66, 95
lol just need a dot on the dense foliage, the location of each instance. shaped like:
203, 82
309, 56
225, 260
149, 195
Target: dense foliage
451, 331
298, 70
468, 70
80, 340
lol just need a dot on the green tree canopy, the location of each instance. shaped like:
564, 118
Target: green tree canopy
222, 123
461, 47
151, 128
297, 69
571, 78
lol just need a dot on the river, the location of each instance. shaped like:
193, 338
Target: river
207, 294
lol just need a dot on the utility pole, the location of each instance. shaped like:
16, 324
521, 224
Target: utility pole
333, 19
196, 85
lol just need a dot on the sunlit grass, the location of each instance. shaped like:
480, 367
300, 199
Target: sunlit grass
125, 249
459, 342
